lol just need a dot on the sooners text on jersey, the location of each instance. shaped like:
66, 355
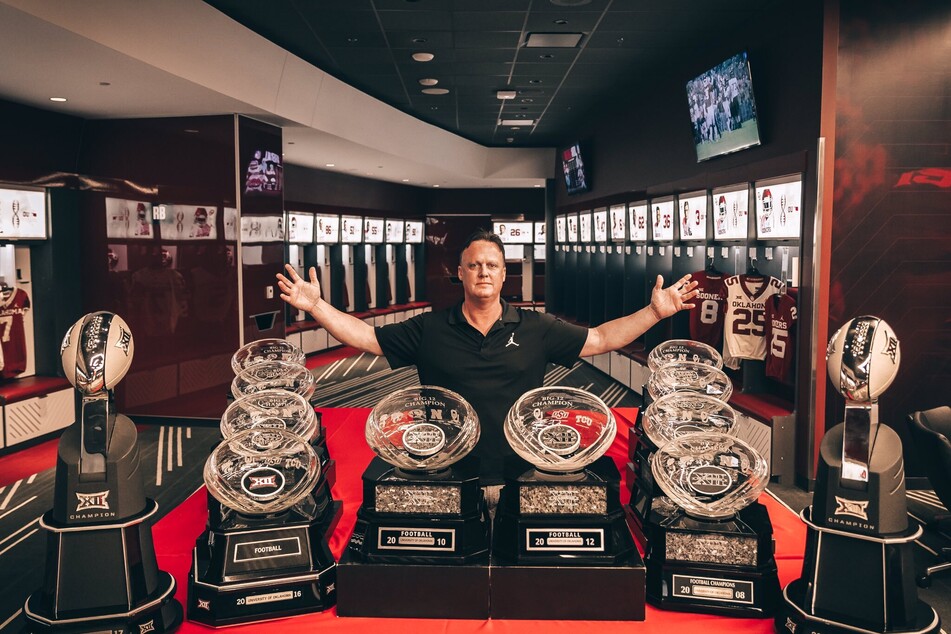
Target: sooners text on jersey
781, 318
706, 320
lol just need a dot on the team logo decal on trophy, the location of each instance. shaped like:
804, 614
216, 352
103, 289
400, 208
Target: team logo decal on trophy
858, 569
101, 571
420, 546
263, 553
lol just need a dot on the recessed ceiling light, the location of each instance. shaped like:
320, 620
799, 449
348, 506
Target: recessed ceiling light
428, 81
516, 128
191, 131
509, 140
537, 185
553, 40
423, 57
516, 122
58, 99
105, 83
291, 142
528, 101
546, 56
570, 3
560, 22
352, 40
435, 185
405, 180
435, 91
505, 94
331, 165
534, 81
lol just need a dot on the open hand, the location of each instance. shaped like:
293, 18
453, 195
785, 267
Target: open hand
297, 291
667, 301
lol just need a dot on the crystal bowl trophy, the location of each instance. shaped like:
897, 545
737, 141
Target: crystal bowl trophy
264, 556
264, 350
274, 375
564, 512
858, 570
709, 543
421, 540
681, 366
101, 572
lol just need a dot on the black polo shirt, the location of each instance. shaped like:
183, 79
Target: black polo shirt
490, 372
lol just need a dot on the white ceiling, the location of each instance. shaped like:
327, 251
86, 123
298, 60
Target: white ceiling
184, 58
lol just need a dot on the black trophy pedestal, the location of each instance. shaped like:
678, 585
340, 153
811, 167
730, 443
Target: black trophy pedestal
250, 569
716, 567
103, 577
420, 546
855, 583
640, 480
408, 590
554, 532
570, 592
563, 520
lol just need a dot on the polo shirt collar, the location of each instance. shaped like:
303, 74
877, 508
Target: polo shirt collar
509, 314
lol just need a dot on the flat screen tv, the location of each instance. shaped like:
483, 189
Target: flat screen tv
576, 178
395, 231
638, 221
351, 229
414, 232
618, 222
373, 230
722, 109
514, 232
692, 212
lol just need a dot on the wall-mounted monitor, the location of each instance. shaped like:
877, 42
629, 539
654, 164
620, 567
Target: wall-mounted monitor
539, 253
373, 230
561, 231
618, 217
600, 224
692, 216
540, 233
23, 214
779, 208
576, 178
572, 224
351, 229
326, 229
414, 231
731, 212
637, 221
124, 218
722, 109
300, 227
514, 232
662, 220
395, 231
585, 233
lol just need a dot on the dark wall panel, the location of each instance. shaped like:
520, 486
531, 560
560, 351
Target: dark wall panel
891, 254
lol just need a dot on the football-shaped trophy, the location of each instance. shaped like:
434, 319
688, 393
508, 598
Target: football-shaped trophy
101, 571
423, 519
858, 570
266, 350
562, 516
264, 554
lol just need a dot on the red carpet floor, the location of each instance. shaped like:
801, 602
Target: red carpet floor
176, 533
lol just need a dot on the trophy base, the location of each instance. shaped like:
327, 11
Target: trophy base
408, 590
421, 518
157, 613
538, 592
793, 618
262, 571
571, 521
101, 577
857, 582
714, 567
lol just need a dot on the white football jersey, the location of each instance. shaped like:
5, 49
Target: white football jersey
744, 327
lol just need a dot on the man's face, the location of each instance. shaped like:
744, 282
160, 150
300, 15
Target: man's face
482, 270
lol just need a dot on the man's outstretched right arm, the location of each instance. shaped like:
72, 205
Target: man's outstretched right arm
305, 295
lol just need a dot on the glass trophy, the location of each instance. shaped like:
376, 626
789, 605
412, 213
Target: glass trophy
683, 350
280, 409
420, 545
565, 510
680, 413
101, 572
264, 350
859, 565
689, 376
264, 556
274, 375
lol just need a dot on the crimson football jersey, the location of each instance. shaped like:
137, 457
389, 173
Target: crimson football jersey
706, 319
12, 335
744, 327
781, 318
